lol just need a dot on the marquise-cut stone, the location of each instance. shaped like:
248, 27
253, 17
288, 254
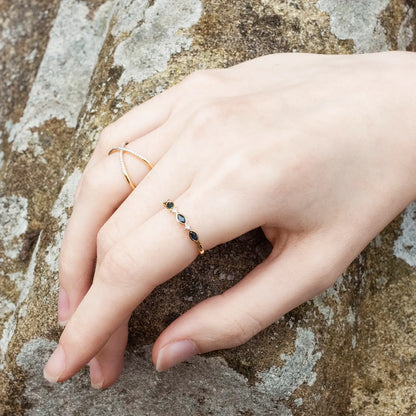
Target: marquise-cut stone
193, 235
180, 218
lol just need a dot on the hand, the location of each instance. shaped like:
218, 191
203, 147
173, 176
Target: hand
317, 150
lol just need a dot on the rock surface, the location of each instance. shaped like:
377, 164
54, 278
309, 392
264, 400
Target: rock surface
71, 67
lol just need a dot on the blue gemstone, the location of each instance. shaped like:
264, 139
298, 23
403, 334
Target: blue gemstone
169, 205
193, 235
181, 218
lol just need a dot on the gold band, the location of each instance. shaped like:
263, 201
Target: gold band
122, 149
182, 220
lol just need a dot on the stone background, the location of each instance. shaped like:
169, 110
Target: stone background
70, 67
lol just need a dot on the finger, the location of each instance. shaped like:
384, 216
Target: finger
162, 182
137, 122
154, 113
107, 365
101, 193
302, 270
148, 256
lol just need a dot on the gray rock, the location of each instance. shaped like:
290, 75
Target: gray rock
68, 69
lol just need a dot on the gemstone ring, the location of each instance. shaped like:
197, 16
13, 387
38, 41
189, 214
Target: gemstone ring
182, 220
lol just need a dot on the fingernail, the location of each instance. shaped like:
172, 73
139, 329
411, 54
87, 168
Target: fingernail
63, 307
96, 374
55, 366
174, 353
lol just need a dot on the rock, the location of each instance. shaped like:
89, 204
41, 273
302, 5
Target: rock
68, 70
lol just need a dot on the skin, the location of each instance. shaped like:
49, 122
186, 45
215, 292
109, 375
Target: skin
317, 150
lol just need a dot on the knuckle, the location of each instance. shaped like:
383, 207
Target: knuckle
91, 181
95, 180
105, 239
232, 172
237, 332
323, 278
323, 270
235, 164
207, 118
66, 266
117, 267
246, 326
77, 336
240, 326
224, 114
204, 78
88, 183
106, 137
231, 169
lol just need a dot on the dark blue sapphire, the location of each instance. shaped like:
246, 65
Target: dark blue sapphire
181, 218
193, 235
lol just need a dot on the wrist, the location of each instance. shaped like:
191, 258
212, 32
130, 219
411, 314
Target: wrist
389, 100
400, 83
407, 83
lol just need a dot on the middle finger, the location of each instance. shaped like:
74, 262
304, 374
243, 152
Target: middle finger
102, 191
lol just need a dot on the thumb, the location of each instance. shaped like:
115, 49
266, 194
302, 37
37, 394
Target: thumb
305, 268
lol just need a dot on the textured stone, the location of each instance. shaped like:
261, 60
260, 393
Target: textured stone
358, 21
383, 380
60, 213
74, 44
405, 245
150, 45
282, 382
201, 387
13, 224
71, 67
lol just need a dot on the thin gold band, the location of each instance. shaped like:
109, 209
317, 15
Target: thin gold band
122, 149
182, 220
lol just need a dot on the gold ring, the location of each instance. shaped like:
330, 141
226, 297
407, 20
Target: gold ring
122, 149
182, 220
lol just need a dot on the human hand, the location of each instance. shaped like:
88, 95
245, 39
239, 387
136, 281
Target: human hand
317, 150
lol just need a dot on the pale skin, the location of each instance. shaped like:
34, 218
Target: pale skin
319, 151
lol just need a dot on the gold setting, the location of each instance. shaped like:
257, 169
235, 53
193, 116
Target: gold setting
122, 149
181, 219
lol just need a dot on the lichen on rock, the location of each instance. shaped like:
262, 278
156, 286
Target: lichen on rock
405, 245
358, 21
62, 80
60, 213
150, 45
282, 382
13, 224
88, 62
